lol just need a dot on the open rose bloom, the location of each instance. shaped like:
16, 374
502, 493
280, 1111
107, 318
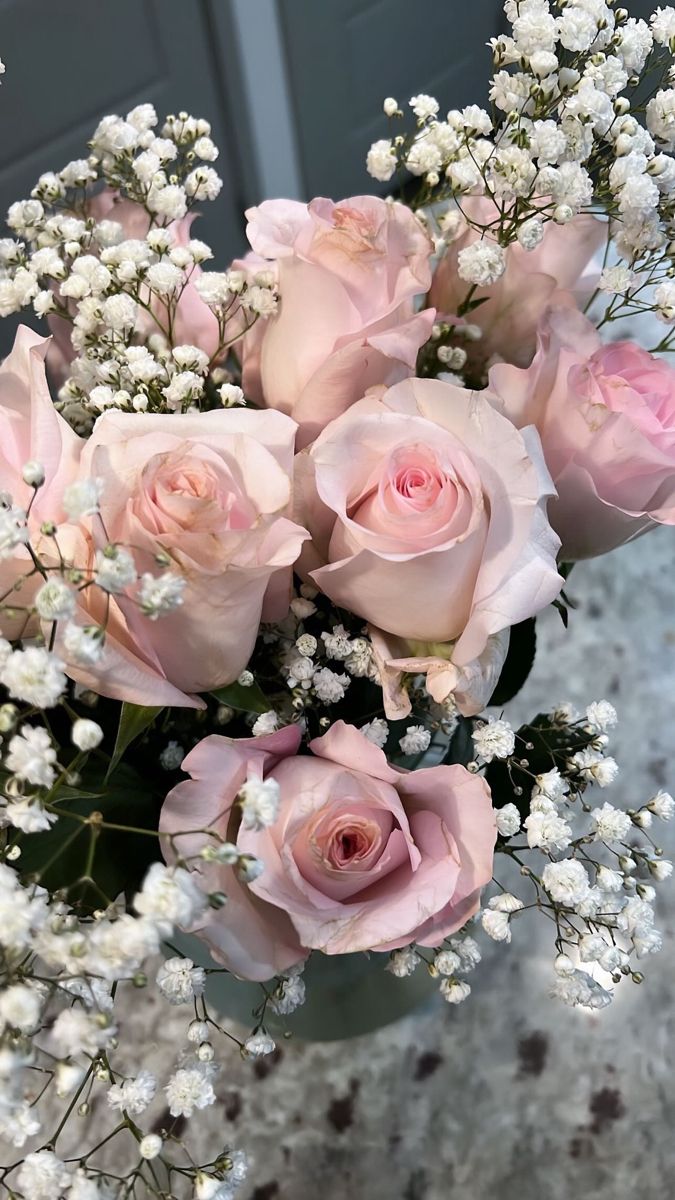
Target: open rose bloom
606, 416
427, 512
349, 274
362, 856
213, 492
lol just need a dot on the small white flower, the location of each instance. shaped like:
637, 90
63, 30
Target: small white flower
482, 263
55, 600
189, 1088
84, 644
85, 734
496, 924
265, 724
610, 824
32, 756
42, 1176
493, 738
608, 880
595, 767
20, 1007
531, 233
566, 882
328, 686
150, 1146
119, 312
81, 499
115, 569
179, 980
376, 731
13, 531
447, 962
35, 676
170, 896
259, 1044
134, 1095
601, 715
660, 869
78, 1032
618, 280
33, 473
662, 805
28, 815
508, 820
160, 594
402, 962
547, 830
424, 106
415, 740
288, 996
259, 799
381, 160
455, 990
231, 396
337, 643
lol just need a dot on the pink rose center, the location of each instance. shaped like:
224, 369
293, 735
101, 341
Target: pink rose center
348, 846
186, 491
348, 841
419, 498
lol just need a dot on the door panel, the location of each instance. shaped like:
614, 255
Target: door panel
345, 56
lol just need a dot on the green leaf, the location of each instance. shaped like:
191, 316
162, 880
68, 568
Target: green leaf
91, 862
246, 699
518, 662
461, 748
134, 719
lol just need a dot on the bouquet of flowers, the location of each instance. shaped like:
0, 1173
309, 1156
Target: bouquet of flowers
273, 539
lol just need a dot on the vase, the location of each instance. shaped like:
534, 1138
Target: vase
347, 995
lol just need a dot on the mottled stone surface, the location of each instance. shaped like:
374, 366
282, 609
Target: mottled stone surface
510, 1095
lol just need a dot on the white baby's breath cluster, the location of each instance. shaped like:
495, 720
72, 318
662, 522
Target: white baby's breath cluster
589, 865
565, 135
597, 863
114, 266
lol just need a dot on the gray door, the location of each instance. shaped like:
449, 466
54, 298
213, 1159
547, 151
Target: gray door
345, 56
69, 63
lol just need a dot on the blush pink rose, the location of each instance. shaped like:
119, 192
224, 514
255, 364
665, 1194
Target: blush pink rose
556, 271
428, 519
362, 855
194, 322
31, 429
212, 490
606, 416
349, 274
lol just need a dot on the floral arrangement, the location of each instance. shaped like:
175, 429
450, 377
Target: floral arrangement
273, 539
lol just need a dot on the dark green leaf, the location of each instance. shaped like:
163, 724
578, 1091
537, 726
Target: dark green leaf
91, 862
134, 719
246, 699
518, 662
461, 748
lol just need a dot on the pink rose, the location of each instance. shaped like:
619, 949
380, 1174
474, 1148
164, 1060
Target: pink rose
428, 519
212, 490
349, 274
194, 322
606, 416
361, 856
512, 307
31, 429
